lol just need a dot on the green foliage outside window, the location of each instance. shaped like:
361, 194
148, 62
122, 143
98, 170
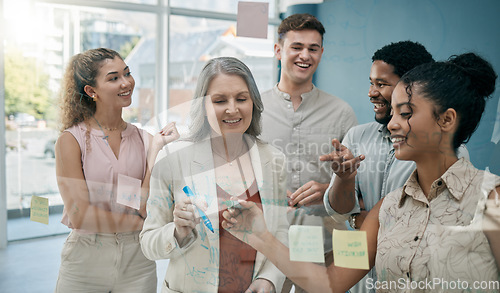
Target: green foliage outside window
26, 86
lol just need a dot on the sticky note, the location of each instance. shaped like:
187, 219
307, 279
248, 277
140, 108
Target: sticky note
129, 191
252, 19
306, 243
350, 249
39, 209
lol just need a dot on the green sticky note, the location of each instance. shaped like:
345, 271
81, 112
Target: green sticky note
350, 249
306, 243
39, 209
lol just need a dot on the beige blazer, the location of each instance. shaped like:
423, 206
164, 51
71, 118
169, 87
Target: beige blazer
193, 265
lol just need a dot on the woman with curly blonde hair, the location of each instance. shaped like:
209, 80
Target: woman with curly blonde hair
103, 167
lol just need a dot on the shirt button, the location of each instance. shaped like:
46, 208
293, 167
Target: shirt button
295, 128
440, 183
416, 238
289, 106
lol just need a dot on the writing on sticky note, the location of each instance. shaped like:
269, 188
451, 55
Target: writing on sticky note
39, 211
252, 19
350, 249
306, 243
129, 191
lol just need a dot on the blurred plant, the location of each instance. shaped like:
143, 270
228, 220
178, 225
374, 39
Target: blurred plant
26, 85
126, 48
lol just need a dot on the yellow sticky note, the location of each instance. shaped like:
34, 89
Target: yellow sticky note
39, 209
350, 249
306, 243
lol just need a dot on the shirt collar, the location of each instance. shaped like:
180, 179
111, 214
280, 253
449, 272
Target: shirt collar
456, 179
314, 92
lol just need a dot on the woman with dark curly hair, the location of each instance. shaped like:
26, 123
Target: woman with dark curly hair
440, 232
103, 167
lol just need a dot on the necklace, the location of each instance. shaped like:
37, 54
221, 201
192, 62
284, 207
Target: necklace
237, 159
108, 129
111, 129
226, 157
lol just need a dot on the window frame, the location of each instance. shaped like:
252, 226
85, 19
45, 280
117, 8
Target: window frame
163, 11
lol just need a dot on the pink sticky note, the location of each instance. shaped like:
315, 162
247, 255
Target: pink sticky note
252, 19
129, 191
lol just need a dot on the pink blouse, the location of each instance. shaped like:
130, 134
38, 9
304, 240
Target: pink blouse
101, 167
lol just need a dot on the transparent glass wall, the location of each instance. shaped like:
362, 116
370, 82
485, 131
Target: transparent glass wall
138, 1
224, 6
40, 39
194, 41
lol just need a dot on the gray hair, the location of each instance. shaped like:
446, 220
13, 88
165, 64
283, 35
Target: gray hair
199, 127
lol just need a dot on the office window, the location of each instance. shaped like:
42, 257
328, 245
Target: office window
194, 41
224, 6
40, 40
154, 2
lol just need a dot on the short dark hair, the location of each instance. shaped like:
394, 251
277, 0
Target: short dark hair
463, 83
298, 22
403, 56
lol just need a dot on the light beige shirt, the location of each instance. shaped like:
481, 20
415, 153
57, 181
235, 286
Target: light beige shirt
304, 135
436, 244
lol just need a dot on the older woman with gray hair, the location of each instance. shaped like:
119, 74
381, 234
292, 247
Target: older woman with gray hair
222, 162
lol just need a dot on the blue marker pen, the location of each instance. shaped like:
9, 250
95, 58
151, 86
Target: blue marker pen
206, 220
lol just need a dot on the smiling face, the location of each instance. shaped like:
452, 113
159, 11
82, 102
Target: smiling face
382, 83
414, 129
114, 84
228, 104
300, 53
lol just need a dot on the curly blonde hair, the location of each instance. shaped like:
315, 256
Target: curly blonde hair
75, 105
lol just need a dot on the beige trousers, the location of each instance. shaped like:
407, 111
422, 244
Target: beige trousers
105, 262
